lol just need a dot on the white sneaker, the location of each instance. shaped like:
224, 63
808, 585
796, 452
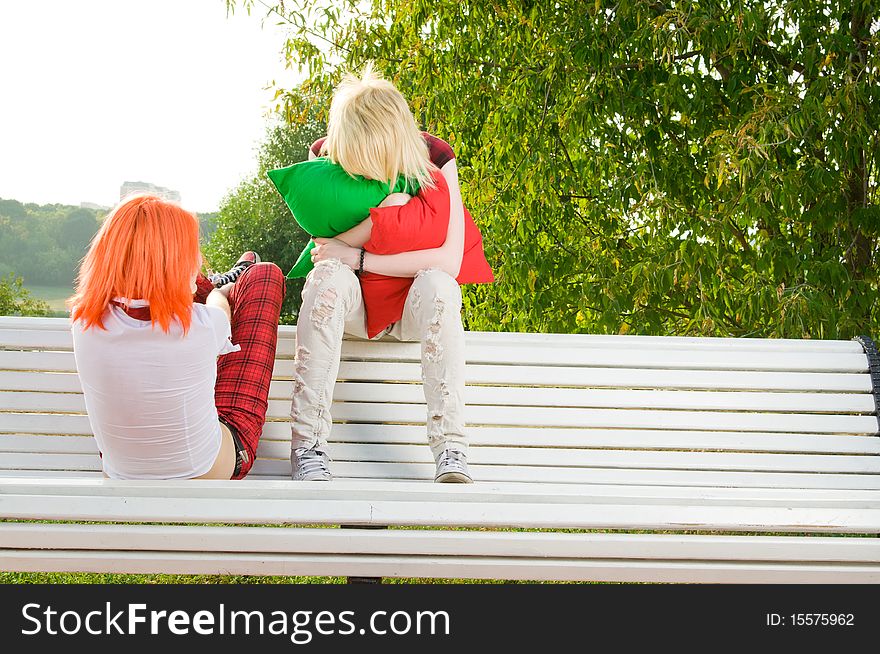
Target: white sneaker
309, 465
452, 468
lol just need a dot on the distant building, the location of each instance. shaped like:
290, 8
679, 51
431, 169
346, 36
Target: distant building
129, 188
93, 206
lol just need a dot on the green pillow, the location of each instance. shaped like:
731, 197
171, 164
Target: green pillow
326, 201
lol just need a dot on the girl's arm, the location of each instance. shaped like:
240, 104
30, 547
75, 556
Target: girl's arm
447, 257
406, 264
219, 297
360, 233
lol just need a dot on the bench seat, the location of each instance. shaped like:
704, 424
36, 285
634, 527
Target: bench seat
611, 458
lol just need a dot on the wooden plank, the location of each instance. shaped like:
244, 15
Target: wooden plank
622, 399
651, 439
444, 514
655, 439
22, 380
277, 432
439, 567
44, 339
288, 333
425, 472
613, 418
836, 403
57, 474
17, 376
388, 491
621, 357
405, 456
622, 354
277, 448
626, 474
42, 402
43, 444
60, 361
519, 457
598, 377
535, 545
570, 457
526, 417
49, 461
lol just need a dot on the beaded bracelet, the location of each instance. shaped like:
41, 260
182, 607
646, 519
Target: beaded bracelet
360, 269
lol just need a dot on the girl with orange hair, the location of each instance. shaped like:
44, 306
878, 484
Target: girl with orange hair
148, 329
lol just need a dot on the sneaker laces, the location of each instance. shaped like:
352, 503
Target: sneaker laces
311, 461
453, 461
222, 279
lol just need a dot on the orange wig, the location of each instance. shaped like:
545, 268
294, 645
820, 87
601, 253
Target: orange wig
147, 249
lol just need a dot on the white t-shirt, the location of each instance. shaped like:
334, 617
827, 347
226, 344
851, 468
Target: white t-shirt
150, 394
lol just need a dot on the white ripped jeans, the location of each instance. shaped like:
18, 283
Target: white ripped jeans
333, 305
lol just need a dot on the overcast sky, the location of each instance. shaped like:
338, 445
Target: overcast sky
97, 92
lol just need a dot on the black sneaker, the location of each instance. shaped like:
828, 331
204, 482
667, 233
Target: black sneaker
246, 260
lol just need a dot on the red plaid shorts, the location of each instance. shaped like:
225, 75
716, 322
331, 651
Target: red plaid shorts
241, 393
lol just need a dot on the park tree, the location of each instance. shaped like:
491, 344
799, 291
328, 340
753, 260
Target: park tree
253, 216
77, 229
43, 244
705, 167
15, 300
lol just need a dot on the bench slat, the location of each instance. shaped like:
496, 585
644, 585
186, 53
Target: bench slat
438, 543
526, 417
288, 332
407, 491
562, 457
617, 355
623, 399
616, 418
48, 361
442, 567
544, 515
19, 378
606, 438
278, 433
419, 473
517, 457
527, 397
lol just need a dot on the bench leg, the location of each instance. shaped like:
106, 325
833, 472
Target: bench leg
363, 580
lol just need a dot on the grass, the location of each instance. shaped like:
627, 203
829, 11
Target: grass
102, 578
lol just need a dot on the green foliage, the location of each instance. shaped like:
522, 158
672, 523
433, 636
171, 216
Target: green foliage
44, 243
254, 216
207, 225
15, 300
704, 168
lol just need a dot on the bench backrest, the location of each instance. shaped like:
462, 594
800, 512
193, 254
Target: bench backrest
623, 410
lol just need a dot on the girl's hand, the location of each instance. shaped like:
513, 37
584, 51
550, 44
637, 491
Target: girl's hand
331, 248
395, 200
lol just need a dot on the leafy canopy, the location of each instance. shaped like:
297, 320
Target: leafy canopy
253, 216
699, 167
16, 300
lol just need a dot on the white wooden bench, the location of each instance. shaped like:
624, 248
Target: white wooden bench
689, 460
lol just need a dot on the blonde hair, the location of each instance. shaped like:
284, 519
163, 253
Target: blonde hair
372, 132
